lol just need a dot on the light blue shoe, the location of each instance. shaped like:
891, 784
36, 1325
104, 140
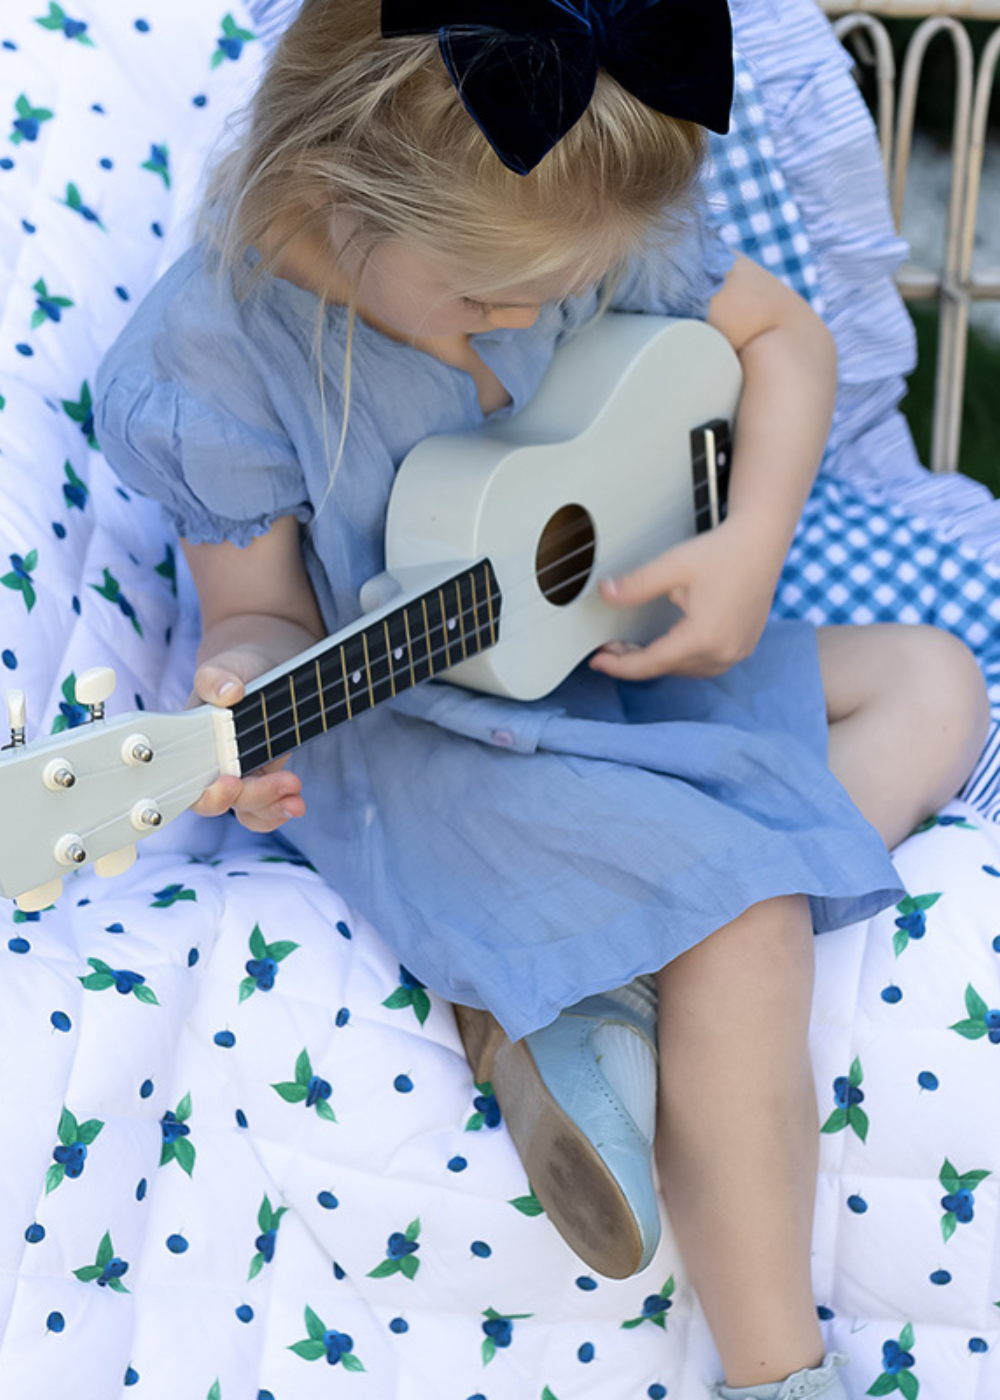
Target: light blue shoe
571, 1094
821, 1383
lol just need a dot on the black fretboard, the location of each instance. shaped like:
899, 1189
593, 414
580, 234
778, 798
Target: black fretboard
357, 670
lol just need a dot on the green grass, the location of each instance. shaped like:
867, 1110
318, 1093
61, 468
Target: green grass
979, 452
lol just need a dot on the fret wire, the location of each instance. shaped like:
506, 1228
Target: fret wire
295, 708
368, 670
427, 636
319, 693
409, 645
489, 607
267, 728
347, 688
475, 601
444, 628
388, 653
461, 616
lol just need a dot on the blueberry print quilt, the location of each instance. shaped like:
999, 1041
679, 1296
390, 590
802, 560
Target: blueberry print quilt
242, 1156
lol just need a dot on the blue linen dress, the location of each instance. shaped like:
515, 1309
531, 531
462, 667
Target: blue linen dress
516, 857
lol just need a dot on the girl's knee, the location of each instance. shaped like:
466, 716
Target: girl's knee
946, 681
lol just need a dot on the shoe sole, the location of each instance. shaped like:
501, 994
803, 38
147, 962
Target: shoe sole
576, 1189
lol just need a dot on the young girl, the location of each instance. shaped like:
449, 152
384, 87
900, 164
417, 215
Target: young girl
427, 198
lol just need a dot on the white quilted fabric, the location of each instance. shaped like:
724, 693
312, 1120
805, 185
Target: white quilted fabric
242, 1155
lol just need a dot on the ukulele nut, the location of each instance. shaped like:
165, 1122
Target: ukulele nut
146, 816
70, 850
58, 775
137, 749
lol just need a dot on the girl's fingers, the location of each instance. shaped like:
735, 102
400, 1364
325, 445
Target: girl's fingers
262, 802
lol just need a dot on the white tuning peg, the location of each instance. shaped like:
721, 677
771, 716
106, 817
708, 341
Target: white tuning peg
16, 717
115, 862
31, 901
93, 687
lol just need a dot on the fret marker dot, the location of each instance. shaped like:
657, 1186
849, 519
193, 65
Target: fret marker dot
451, 624
397, 655
356, 678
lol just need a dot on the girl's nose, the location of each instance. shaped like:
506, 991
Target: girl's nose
514, 318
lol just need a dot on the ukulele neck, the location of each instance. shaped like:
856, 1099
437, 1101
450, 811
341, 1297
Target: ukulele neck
357, 668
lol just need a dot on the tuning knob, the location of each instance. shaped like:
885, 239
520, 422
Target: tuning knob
115, 862
16, 718
93, 687
31, 901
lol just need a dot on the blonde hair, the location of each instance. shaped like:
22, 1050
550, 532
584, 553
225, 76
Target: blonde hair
347, 121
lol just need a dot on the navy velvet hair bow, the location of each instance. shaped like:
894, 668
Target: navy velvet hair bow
526, 69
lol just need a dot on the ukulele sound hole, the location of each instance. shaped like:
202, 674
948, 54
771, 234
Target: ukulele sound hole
565, 555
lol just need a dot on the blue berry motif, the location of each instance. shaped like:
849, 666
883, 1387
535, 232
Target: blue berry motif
911, 921
28, 121
230, 43
268, 1220
958, 1201
71, 714
111, 590
47, 306
58, 19
898, 1362
655, 1307
487, 1114
70, 1153
177, 1145
848, 1097
159, 163
107, 1269
400, 1253
75, 490
981, 1021
307, 1088
263, 964
895, 1359
19, 579
81, 411
170, 894
74, 200
124, 981
499, 1330
410, 992
326, 1344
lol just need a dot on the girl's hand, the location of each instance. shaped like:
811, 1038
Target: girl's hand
723, 582
269, 797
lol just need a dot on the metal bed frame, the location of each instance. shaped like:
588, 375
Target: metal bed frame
952, 284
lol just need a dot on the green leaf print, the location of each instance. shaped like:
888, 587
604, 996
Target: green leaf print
19, 579
980, 1020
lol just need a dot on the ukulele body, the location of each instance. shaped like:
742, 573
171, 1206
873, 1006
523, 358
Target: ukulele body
591, 479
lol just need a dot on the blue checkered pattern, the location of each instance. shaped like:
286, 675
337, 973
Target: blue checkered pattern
749, 198
858, 560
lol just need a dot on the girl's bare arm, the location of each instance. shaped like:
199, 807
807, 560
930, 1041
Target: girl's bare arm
724, 580
258, 609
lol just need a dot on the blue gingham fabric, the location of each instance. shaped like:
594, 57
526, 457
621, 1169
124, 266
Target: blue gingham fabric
859, 560
749, 196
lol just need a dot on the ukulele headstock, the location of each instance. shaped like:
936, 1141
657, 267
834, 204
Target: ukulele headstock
88, 795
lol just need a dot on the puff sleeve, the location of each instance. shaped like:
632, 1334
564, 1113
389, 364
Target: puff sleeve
186, 411
679, 270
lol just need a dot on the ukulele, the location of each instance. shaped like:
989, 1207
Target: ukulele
494, 544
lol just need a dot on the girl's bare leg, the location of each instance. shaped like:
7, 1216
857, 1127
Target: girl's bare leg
738, 1135
908, 716
738, 1140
